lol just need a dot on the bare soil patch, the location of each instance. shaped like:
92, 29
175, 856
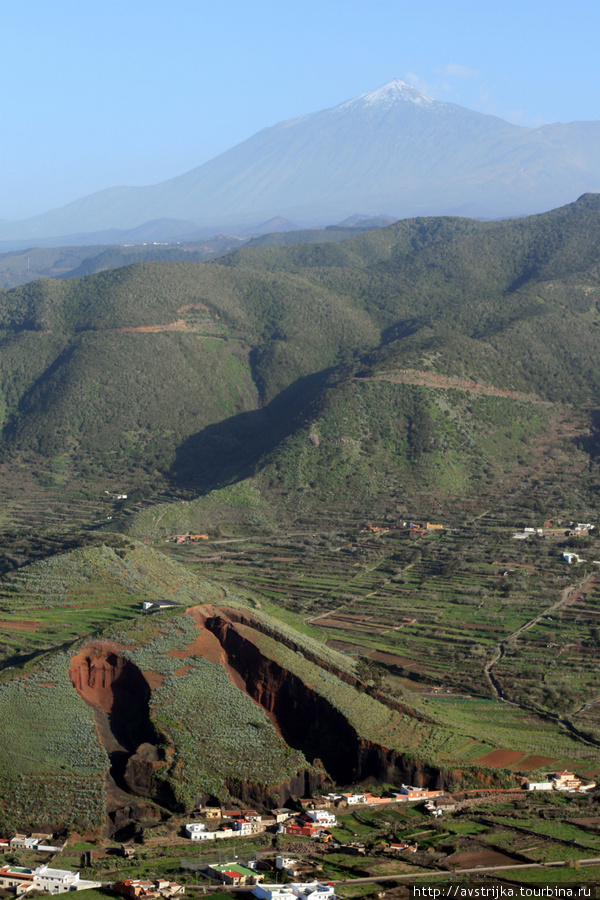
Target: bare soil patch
449, 382
20, 625
474, 858
534, 762
500, 758
177, 325
347, 622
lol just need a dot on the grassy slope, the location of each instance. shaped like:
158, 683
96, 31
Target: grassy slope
86, 590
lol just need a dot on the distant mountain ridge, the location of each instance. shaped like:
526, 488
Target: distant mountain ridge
391, 149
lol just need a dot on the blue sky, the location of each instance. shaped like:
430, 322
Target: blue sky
98, 93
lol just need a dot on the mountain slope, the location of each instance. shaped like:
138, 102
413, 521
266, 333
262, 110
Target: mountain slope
392, 149
216, 371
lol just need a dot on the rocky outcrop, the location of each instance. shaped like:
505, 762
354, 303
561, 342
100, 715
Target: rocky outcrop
242, 617
109, 681
310, 723
307, 720
119, 695
303, 784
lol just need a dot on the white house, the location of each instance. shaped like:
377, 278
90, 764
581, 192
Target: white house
59, 881
538, 785
571, 557
322, 817
287, 864
20, 842
273, 892
196, 831
244, 828
282, 814
313, 890
351, 799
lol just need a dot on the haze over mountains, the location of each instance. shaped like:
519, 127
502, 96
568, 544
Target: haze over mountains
392, 150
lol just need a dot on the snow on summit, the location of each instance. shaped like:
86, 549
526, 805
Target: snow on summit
389, 94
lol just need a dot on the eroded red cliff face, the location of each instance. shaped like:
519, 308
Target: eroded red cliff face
310, 723
94, 672
120, 694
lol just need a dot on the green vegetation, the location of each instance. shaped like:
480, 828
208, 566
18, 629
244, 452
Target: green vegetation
42, 781
285, 400
57, 600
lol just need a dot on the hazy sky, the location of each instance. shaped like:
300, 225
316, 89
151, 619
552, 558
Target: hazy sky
98, 93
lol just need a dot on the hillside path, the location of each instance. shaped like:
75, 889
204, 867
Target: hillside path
421, 378
569, 595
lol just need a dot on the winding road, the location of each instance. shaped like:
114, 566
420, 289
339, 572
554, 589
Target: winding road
574, 592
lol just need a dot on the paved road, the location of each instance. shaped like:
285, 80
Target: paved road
376, 879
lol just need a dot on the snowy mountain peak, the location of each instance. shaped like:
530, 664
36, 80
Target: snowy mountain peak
391, 93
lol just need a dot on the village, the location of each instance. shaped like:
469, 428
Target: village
287, 863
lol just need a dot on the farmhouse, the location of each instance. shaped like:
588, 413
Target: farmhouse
306, 830
210, 812
235, 874
404, 847
440, 805
148, 605
281, 814
538, 785
135, 888
295, 891
322, 817
417, 793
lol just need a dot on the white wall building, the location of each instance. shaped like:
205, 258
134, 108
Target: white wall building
59, 881
273, 892
322, 817
313, 890
351, 799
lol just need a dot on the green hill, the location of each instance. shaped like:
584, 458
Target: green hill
213, 372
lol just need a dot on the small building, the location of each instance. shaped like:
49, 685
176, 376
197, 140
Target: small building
403, 847
234, 874
195, 831
322, 817
273, 892
287, 864
21, 842
281, 814
417, 793
305, 830
245, 827
150, 605
135, 888
538, 785
209, 812
353, 799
